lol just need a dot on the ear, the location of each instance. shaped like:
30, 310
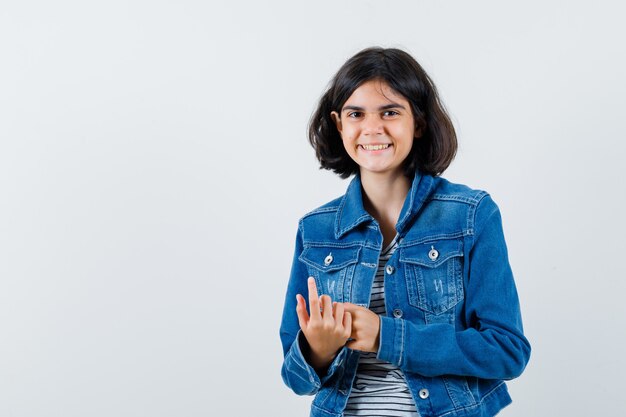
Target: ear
418, 133
335, 116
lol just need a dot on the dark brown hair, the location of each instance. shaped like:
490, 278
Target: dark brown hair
432, 151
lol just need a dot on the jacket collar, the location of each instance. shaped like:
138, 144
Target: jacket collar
351, 212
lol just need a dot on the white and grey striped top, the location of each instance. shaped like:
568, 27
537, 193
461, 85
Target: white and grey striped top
379, 388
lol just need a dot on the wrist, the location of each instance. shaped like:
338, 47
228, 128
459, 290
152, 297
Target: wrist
320, 362
317, 360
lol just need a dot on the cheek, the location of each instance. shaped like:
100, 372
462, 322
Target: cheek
406, 132
348, 146
348, 137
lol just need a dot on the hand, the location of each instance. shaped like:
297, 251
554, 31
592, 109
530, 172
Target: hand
326, 331
365, 328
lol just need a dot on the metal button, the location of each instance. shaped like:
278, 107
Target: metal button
397, 313
389, 269
433, 254
424, 393
329, 259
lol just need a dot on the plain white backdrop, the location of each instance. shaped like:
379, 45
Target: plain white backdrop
154, 164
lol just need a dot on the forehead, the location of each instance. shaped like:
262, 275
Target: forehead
375, 92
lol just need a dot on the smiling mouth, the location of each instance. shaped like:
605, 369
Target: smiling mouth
375, 147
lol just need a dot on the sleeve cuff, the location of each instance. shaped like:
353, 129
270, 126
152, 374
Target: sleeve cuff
391, 340
312, 375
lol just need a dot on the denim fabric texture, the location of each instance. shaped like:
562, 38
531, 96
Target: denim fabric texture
453, 322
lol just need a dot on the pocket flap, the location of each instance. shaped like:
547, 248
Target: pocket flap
432, 254
327, 258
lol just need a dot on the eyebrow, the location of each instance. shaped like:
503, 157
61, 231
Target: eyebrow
385, 107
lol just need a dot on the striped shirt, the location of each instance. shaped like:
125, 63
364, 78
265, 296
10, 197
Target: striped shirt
379, 388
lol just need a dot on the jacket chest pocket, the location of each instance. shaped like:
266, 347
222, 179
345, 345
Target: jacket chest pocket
331, 267
434, 274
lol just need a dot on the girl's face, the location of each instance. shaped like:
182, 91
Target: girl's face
377, 128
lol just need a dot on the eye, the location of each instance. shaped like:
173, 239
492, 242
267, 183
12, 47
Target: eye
355, 114
390, 113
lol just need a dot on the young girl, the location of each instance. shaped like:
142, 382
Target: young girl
412, 308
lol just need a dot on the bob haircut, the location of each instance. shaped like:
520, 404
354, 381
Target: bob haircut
435, 144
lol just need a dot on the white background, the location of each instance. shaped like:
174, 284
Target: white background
154, 164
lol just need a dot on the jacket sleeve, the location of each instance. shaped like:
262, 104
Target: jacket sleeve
493, 345
297, 373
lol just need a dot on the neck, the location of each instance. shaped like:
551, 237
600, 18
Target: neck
383, 198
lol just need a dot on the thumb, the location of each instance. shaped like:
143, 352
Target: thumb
347, 324
303, 315
350, 307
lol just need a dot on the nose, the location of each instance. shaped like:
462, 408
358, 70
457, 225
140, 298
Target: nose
372, 125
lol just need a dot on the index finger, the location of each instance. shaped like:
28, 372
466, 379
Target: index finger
314, 301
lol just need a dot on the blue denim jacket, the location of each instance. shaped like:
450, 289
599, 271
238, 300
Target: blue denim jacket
453, 322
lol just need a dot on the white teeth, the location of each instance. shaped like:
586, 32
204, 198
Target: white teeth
374, 147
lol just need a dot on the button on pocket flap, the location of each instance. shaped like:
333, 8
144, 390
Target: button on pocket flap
327, 258
432, 254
